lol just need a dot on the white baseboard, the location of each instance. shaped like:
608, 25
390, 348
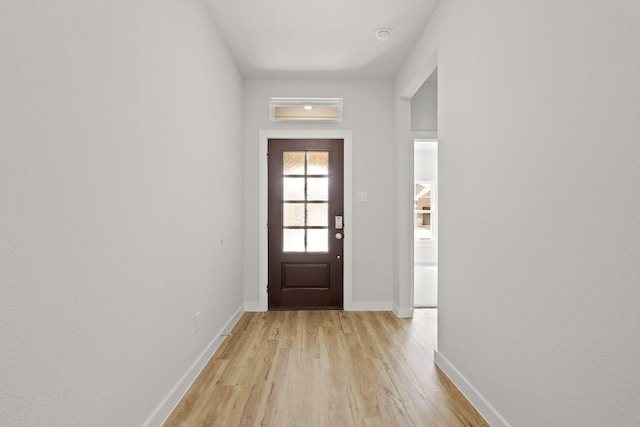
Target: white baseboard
368, 306
402, 313
253, 307
478, 401
354, 306
168, 404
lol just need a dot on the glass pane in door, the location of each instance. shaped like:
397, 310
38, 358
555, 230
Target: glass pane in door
293, 215
293, 162
317, 240
318, 214
293, 189
293, 240
317, 163
305, 207
318, 189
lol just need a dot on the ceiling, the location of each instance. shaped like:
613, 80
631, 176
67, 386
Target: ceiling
319, 39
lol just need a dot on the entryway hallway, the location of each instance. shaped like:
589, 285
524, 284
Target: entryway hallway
326, 368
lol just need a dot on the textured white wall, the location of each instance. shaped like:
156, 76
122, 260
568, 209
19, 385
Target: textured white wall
425, 165
539, 296
120, 174
424, 108
368, 109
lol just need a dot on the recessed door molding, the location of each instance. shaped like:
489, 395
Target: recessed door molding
263, 269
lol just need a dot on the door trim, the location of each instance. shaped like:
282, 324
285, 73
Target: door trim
263, 261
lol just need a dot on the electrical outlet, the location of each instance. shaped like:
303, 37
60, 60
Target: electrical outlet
196, 323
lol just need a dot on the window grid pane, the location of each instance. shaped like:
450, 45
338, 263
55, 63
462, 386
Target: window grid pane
318, 163
293, 189
293, 215
293, 162
299, 187
317, 240
318, 189
318, 214
293, 240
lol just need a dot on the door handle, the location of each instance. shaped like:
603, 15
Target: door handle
339, 236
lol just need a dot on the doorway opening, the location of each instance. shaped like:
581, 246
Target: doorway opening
305, 220
262, 181
424, 128
425, 224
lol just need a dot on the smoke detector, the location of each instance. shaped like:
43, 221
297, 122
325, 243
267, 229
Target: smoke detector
383, 34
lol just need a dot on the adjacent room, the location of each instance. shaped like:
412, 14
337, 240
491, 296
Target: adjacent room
424, 129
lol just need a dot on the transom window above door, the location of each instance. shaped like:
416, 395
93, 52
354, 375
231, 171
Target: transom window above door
305, 109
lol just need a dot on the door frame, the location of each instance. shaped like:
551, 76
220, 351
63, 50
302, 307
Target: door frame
263, 261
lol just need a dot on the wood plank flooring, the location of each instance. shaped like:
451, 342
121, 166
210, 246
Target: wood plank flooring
326, 368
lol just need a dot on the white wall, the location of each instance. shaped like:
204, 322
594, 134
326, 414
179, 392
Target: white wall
120, 174
425, 162
424, 108
368, 109
539, 296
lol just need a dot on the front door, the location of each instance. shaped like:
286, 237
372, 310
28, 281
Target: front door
306, 224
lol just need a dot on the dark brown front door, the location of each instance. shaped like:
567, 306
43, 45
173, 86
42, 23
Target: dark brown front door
305, 223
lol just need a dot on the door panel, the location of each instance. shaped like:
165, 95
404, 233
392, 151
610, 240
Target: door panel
305, 276
305, 194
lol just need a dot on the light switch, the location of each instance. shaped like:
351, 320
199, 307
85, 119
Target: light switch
361, 196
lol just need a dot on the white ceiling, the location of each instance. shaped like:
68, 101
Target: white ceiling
319, 39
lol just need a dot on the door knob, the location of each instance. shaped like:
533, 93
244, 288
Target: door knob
338, 236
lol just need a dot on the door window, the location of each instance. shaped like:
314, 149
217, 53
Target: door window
305, 204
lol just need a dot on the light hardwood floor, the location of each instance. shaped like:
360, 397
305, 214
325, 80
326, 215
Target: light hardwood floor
326, 368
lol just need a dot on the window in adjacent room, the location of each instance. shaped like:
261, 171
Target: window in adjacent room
423, 205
